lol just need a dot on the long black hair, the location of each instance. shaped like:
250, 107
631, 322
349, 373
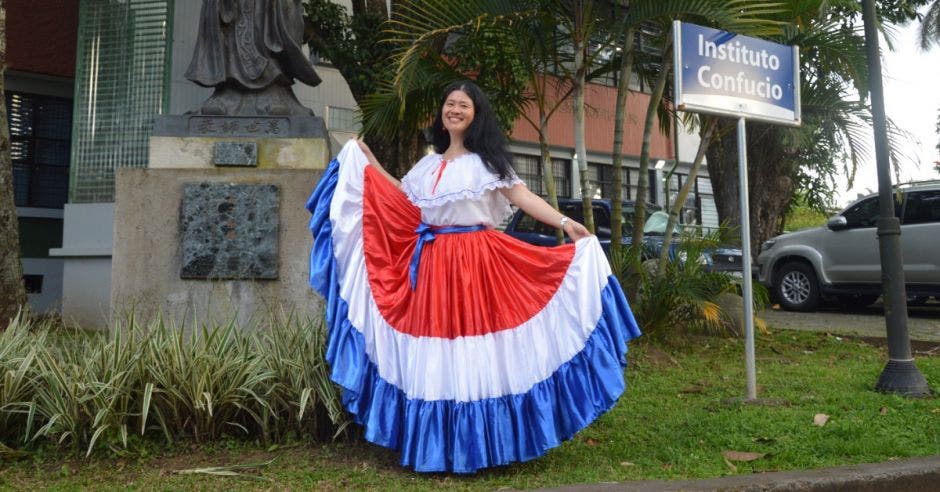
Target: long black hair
483, 136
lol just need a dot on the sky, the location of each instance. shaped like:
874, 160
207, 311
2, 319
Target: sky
912, 99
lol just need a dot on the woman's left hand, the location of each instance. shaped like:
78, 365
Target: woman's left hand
575, 230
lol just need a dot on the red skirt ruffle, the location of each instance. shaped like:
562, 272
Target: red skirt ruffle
469, 284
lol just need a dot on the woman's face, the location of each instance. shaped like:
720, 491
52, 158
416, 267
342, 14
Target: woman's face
457, 113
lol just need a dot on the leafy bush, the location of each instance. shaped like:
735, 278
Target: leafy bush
684, 297
89, 390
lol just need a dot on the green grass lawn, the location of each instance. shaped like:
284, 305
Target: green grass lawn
674, 422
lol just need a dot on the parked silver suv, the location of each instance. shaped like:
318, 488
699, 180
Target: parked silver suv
841, 260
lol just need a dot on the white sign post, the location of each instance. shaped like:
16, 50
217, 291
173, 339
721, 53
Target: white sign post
727, 74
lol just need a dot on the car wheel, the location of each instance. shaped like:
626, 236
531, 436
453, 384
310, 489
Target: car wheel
856, 301
796, 287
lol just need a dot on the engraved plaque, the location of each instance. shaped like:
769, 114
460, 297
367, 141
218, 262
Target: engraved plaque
235, 154
229, 231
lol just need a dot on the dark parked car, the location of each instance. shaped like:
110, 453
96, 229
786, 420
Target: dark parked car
526, 228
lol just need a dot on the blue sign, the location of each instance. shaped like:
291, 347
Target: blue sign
729, 74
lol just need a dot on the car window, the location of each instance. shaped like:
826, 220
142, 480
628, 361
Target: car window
862, 214
865, 213
573, 211
922, 207
627, 221
528, 224
601, 222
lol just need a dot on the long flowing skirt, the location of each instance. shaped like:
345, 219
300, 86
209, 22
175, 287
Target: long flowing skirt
501, 352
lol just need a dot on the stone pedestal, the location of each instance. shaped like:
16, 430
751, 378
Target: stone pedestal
148, 254
215, 229
282, 142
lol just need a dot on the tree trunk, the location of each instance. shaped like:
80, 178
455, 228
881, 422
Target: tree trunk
708, 125
623, 88
770, 169
12, 292
770, 177
722, 157
548, 171
579, 82
655, 98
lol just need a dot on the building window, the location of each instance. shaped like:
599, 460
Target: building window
40, 138
529, 169
691, 212
344, 119
601, 177
120, 87
32, 283
648, 53
652, 186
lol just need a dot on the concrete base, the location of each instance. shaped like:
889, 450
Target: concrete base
86, 291
146, 262
49, 299
280, 153
86, 269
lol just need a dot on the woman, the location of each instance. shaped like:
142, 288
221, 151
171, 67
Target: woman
456, 344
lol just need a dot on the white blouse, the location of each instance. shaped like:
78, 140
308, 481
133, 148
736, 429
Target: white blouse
461, 192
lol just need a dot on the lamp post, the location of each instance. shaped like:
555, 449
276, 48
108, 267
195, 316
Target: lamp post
900, 375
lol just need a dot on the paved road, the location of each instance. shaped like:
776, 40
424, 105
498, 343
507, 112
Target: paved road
923, 322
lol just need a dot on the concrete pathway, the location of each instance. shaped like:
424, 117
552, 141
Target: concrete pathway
923, 322
910, 475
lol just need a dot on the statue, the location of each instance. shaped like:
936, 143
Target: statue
249, 51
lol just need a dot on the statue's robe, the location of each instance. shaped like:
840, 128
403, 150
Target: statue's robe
252, 44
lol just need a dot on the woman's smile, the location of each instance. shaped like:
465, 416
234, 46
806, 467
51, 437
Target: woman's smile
457, 112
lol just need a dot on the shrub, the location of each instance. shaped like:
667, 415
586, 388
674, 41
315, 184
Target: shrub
91, 390
684, 297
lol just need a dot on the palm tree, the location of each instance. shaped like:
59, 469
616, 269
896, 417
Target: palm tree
354, 44
582, 27
437, 42
929, 32
708, 131
12, 291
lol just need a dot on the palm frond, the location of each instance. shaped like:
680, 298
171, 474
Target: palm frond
929, 31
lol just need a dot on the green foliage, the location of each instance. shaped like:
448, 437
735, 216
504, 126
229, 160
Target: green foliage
929, 31
802, 215
673, 422
937, 129
437, 42
355, 44
90, 391
685, 297
494, 59
889, 11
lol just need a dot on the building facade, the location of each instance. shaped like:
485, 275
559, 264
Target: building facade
86, 79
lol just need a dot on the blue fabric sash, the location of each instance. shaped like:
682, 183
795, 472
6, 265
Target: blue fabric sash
427, 234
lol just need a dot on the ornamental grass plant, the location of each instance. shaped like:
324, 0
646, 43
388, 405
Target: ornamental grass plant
91, 391
685, 296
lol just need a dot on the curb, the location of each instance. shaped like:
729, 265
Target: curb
915, 474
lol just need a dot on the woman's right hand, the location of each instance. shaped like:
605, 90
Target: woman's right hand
575, 230
367, 151
370, 158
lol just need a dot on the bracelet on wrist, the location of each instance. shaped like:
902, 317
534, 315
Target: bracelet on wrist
563, 222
